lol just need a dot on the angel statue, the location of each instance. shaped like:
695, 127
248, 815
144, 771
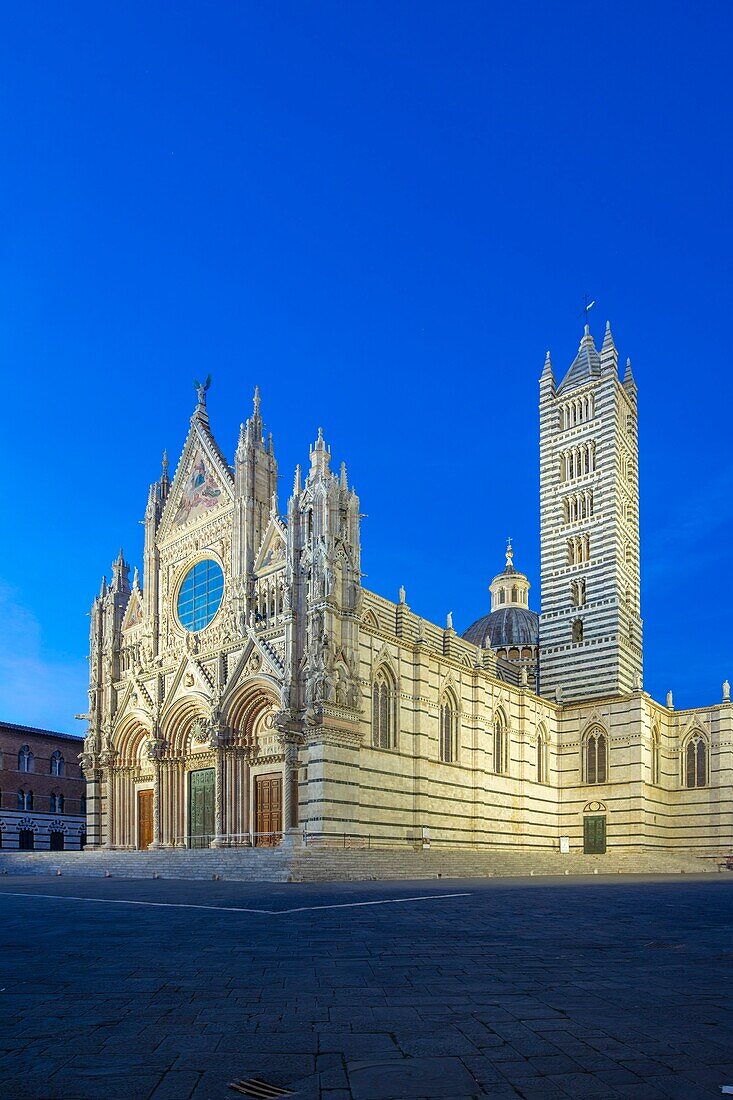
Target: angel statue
201, 388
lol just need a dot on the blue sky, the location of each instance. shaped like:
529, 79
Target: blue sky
384, 214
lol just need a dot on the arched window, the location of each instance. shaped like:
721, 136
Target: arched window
656, 769
501, 756
448, 729
25, 800
695, 761
57, 763
57, 803
25, 760
384, 699
595, 753
541, 756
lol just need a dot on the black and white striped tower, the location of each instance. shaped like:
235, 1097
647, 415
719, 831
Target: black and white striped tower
590, 624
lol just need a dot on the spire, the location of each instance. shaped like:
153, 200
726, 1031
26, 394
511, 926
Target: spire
297, 485
629, 382
609, 355
547, 369
135, 579
256, 420
103, 589
586, 365
165, 482
120, 574
320, 456
344, 479
241, 444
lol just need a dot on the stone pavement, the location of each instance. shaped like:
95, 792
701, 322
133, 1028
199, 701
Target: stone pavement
537, 988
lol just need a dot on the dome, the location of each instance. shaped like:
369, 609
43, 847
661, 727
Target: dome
508, 626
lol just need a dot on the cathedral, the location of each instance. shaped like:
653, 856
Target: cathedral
247, 689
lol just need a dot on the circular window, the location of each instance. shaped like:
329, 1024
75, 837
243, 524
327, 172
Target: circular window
200, 594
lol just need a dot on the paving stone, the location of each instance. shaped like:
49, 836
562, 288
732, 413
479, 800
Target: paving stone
511, 991
399, 1079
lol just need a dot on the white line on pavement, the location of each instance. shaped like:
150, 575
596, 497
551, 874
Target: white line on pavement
232, 908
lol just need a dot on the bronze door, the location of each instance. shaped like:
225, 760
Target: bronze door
594, 835
268, 809
144, 819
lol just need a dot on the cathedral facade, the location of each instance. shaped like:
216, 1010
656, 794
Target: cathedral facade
249, 690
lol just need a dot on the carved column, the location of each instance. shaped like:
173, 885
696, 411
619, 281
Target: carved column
291, 832
219, 840
155, 749
106, 760
109, 842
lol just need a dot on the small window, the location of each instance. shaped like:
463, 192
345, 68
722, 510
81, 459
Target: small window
25, 759
448, 730
57, 763
500, 745
57, 803
595, 757
384, 708
541, 758
695, 761
656, 769
25, 800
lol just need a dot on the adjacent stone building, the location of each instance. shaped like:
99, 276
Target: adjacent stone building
250, 690
42, 790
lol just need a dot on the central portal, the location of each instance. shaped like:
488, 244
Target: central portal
268, 809
201, 808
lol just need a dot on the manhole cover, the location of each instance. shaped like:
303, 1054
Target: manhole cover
260, 1089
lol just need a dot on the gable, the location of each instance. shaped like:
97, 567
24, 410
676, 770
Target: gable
202, 484
202, 491
272, 550
134, 611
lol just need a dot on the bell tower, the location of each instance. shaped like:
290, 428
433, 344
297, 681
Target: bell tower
590, 622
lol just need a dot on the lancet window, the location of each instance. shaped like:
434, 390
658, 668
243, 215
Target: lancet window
595, 756
384, 711
501, 745
541, 756
695, 761
656, 757
448, 729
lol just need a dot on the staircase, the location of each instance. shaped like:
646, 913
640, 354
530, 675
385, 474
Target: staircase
342, 865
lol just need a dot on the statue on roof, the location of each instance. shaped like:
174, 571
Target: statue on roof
201, 388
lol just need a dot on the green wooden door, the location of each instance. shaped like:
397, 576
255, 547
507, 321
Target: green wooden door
594, 835
201, 808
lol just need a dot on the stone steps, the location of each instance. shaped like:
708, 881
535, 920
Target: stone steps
350, 864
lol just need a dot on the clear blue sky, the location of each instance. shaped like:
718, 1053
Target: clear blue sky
384, 214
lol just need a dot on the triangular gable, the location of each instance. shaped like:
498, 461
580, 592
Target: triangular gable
257, 659
273, 548
202, 482
190, 679
134, 610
